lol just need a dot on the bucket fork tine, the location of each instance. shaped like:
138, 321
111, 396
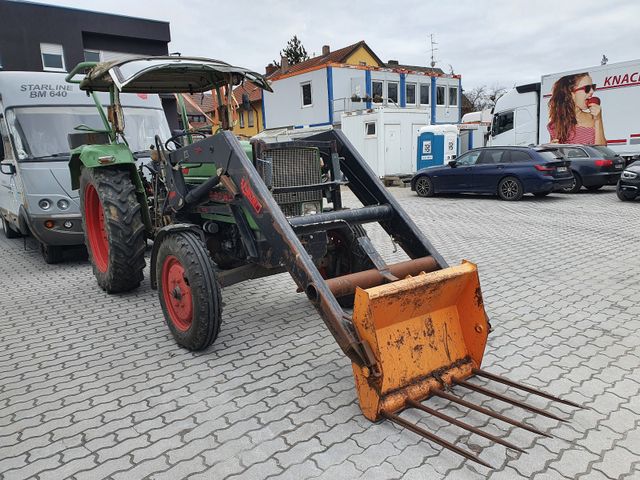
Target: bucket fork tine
434, 438
463, 425
506, 381
498, 396
486, 411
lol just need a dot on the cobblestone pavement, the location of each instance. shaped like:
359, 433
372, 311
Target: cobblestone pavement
93, 386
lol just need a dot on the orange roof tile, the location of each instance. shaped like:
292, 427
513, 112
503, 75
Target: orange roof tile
337, 56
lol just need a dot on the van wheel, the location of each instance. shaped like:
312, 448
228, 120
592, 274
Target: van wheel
575, 186
510, 189
189, 291
9, 232
51, 254
113, 228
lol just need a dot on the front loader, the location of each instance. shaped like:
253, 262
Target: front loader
220, 213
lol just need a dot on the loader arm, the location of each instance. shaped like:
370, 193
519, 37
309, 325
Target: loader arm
284, 248
364, 183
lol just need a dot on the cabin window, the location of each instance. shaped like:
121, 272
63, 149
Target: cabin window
370, 129
411, 93
376, 91
306, 94
250, 117
241, 117
52, 57
502, 122
5, 145
424, 93
440, 95
453, 96
392, 92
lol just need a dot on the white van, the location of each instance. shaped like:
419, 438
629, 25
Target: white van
37, 113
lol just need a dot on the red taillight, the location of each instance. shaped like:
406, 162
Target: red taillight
604, 163
542, 168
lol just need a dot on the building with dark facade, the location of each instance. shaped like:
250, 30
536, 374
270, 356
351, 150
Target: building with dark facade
37, 37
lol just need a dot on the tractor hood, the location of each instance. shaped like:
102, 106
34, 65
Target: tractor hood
168, 74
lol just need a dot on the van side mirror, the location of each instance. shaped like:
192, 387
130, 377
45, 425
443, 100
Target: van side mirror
8, 168
452, 163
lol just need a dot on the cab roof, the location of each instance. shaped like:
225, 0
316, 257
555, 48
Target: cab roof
167, 74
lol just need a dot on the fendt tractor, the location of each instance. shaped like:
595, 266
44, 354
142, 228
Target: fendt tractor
220, 212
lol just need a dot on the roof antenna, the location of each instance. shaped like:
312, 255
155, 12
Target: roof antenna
433, 51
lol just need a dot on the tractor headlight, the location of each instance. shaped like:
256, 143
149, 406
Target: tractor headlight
63, 204
44, 204
627, 175
310, 208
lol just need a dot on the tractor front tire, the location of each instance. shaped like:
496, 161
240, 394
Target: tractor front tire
113, 228
189, 290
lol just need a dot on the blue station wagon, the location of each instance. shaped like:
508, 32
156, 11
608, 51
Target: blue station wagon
508, 172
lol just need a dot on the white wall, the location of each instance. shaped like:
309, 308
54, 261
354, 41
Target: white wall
346, 82
374, 149
284, 107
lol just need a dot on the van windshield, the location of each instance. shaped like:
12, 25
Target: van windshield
41, 132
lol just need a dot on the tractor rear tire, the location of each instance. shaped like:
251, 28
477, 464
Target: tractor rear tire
114, 232
189, 290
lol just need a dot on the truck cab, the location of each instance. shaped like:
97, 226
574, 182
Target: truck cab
515, 117
38, 111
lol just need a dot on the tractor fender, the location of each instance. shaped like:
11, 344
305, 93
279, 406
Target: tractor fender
157, 241
98, 156
105, 156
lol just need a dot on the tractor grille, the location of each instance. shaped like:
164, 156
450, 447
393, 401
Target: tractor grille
292, 167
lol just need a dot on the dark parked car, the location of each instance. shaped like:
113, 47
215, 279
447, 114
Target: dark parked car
508, 172
629, 184
592, 166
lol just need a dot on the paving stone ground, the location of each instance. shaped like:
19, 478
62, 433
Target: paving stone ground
93, 386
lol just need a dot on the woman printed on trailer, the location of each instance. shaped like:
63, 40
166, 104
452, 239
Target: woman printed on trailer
575, 114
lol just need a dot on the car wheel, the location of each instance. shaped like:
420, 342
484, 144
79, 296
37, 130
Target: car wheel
541, 194
510, 189
424, 187
575, 186
594, 188
625, 196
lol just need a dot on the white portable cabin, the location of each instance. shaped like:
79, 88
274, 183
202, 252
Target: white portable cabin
385, 137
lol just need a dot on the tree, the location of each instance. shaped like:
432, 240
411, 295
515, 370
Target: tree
483, 97
294, 52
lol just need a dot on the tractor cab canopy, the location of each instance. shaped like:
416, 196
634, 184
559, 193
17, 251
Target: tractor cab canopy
167, 74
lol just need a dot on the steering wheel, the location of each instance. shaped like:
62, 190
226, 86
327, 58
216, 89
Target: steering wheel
177, 144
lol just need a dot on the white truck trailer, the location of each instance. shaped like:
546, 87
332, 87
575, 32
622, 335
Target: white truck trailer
521, 116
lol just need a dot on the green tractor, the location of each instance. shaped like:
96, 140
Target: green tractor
220, 212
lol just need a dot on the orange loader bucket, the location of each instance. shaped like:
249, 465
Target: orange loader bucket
424, 331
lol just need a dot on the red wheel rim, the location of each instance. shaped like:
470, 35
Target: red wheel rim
177, 293
96, 231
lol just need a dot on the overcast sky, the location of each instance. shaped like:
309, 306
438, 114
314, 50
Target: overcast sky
487, 42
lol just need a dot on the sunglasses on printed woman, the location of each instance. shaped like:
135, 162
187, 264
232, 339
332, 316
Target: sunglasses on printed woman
586, 88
